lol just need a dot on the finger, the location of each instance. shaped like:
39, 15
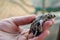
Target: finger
42, 36
48, 24
23, 20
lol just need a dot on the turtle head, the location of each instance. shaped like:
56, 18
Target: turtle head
50, 16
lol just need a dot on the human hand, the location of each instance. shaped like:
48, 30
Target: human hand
11, 26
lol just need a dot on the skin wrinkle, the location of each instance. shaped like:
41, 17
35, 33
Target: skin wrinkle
12, 20
20, 30
10, 28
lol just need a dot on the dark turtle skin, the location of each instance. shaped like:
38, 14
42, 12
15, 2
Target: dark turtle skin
36, 26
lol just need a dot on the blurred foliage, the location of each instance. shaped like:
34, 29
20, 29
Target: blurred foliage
55, 9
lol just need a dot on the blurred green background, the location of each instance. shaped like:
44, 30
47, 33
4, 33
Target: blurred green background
13, 8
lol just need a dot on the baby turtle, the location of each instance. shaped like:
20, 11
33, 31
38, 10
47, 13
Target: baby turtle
36, 26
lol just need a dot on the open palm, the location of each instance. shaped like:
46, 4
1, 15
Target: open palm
10, 28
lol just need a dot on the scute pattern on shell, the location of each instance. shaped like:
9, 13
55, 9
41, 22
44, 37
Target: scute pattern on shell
36, 26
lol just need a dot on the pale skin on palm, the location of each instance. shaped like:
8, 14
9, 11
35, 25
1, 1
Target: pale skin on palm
11, 26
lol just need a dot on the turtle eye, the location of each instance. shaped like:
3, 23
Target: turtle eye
52, 16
